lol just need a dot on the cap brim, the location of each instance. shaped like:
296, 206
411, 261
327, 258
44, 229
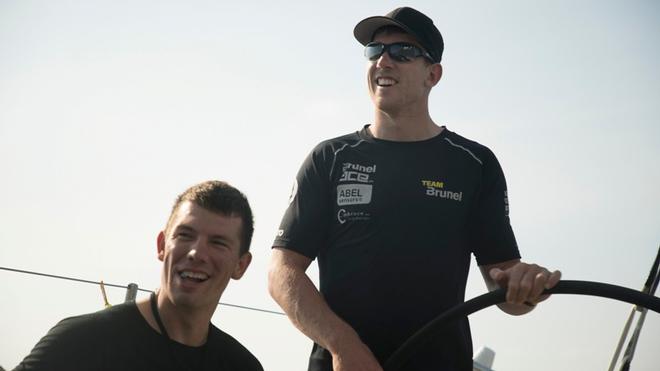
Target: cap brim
364, 31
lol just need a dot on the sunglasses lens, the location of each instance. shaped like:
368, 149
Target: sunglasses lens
400, 52
403, 52
373, 51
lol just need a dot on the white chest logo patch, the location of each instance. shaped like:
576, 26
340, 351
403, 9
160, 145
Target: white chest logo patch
354, 194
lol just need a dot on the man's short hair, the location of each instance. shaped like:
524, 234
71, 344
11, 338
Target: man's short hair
221, 198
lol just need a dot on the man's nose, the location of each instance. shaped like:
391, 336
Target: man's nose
198, 250
384, 60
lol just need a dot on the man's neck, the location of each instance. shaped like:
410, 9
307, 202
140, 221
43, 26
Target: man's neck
189, 327
403, 127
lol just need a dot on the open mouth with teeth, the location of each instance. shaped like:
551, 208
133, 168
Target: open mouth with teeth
385, 81
193, 276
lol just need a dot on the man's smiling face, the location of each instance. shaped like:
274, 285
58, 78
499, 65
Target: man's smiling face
200, 251
394, 86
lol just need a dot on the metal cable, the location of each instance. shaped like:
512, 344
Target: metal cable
123, 287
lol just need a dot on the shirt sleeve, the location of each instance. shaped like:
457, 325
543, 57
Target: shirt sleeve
491, 236
305, 223
63, 348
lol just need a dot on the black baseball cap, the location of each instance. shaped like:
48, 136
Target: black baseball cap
411, 21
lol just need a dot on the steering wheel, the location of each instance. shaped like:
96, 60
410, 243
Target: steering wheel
407, 349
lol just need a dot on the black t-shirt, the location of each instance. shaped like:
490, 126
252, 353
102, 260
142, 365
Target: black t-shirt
119, 338
393, 225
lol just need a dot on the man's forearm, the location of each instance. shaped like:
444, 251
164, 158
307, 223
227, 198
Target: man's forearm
293, 290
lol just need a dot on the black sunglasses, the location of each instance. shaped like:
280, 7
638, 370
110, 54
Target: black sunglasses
400, 52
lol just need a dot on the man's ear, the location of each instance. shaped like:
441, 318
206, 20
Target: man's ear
435, 73
160, 245
241, 266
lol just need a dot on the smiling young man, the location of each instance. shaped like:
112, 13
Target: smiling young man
393, 213
204, 244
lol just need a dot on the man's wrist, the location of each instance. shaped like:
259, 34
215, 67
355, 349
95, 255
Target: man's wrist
342, 341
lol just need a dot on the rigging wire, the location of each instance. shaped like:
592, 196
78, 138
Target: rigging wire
124, 287
650, 286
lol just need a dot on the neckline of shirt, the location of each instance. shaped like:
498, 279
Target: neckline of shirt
367, 136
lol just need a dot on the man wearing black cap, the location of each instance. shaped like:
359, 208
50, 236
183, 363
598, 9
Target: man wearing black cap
393, 213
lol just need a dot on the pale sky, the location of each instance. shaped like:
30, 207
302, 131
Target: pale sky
109, 109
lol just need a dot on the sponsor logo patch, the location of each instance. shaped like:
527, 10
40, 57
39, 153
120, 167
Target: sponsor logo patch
344, 216
354, 194
435, 188
356, 173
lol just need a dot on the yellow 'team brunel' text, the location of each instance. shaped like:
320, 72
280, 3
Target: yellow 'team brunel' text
433, 184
